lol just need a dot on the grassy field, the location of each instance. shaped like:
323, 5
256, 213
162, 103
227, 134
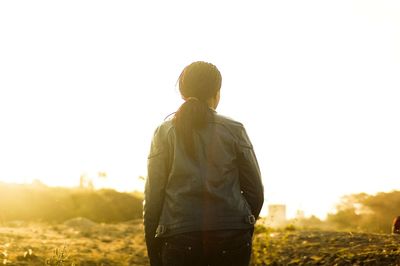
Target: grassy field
304, 247
82, 242
76, 242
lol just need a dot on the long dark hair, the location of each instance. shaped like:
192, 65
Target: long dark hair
198, 82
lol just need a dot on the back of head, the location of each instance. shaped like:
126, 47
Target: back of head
201, 80
198, 83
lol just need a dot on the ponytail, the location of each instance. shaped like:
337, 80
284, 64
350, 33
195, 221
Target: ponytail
198, 82
191, 116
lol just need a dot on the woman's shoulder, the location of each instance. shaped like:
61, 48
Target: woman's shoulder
236, 128
165, 126
226, 120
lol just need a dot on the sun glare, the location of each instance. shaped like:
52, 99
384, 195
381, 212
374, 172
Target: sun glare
84, 85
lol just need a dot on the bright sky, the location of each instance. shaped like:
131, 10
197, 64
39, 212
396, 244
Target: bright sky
83, 84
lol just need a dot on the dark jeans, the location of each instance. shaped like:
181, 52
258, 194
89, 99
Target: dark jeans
209, 248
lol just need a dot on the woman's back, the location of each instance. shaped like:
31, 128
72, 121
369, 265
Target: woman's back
203, 191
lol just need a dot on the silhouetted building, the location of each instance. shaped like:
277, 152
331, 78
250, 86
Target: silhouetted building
276, 215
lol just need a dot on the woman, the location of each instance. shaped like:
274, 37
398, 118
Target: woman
203, 192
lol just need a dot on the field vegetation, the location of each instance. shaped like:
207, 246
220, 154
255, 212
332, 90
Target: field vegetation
40, 225
40, 203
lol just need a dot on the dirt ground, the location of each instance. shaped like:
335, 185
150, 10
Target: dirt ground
81, 242
78, 242
301, 247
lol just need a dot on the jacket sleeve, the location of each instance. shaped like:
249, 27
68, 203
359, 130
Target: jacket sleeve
249, 174
157, 174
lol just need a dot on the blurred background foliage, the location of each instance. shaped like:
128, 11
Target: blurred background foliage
37, 202
367, 213
40, 203
358, 212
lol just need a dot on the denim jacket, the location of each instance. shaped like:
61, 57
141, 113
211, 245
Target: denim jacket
221, 189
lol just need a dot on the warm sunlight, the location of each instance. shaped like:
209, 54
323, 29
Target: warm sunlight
84, 84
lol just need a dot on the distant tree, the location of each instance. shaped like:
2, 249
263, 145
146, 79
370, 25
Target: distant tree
85, 182
363, 212
102, 175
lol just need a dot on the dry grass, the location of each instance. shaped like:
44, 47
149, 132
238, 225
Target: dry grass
84, 243
96, 245
293, 247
